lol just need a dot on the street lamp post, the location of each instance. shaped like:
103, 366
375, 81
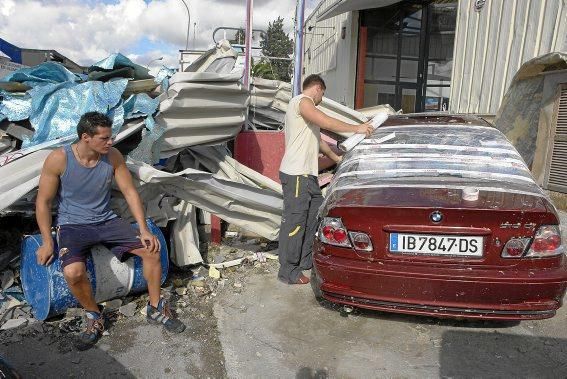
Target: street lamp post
188, 24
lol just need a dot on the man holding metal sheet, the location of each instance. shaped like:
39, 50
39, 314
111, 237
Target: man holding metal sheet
298, 174
80, 176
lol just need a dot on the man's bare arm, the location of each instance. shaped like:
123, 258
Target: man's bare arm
48, 185
313, 115
326, 149
126, 185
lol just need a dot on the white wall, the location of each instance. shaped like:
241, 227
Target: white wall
491, 45
326, 53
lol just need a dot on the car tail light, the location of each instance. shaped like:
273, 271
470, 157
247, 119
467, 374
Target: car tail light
333, 232
360, 241
515, 247
547, 242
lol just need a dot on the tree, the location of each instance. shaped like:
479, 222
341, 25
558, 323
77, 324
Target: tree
239, 38
263, 69
275, 43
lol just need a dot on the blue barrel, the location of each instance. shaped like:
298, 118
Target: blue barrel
46, 290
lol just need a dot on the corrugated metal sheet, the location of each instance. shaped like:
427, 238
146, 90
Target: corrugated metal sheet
492, 44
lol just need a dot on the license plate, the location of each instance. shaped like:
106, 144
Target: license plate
436, 244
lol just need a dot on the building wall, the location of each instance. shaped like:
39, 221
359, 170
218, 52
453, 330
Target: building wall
328, 54
492, 44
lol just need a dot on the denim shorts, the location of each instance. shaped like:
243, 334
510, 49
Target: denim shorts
75, 241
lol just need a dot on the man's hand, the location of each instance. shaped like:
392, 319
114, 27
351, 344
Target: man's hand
365, 128
339, 159
45, 254
150, 241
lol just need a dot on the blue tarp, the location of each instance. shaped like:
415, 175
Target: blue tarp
118, 61
45, 73
57, 100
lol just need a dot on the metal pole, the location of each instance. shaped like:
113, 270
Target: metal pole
248, 43
188, 24
298, 53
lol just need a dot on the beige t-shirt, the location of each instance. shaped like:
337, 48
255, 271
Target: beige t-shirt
301, 142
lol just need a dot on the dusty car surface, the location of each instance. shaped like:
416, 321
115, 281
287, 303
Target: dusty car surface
443, 220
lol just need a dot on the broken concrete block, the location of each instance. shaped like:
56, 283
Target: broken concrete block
218, 259
112, 305
214, 273
197, 282
238, 285
14, 323
181, 291
128, 310
177, 282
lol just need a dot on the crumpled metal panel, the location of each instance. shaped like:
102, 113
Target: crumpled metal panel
201, 108
217, 160
250, 208
269, 100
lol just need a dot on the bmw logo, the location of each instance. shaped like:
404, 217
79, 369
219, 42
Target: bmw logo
436, 216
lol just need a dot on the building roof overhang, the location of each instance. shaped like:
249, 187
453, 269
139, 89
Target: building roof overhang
343, 6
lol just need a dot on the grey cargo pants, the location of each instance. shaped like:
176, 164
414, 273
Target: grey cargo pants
302, 199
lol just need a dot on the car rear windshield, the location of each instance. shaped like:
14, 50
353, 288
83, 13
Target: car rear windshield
450, 156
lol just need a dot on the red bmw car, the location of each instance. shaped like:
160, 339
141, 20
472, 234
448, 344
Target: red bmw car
443, 219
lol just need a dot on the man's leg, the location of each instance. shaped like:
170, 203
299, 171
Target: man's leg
306, 262
74, 242
292, 230
124, 240
151, 265
80, 286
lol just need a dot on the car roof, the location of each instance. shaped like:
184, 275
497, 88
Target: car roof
437, 118
436, 150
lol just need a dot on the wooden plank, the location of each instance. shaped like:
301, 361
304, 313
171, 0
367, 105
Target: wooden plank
13, 87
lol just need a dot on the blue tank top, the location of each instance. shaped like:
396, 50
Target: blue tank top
84, 193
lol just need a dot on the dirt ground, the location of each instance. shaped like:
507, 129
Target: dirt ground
249, 325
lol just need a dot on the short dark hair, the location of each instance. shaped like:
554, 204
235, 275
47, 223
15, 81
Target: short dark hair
313, 79
92, 120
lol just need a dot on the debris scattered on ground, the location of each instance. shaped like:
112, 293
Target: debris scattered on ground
14, 323
214, 273
74, 312
128, 310
112, 305
7, 279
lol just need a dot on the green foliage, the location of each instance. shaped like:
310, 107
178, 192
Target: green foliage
263, 69
275, 43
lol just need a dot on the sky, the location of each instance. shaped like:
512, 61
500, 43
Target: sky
87, 31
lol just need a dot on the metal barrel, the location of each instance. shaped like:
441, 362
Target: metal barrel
46, 290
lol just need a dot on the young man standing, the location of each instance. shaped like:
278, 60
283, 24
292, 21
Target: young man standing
298, 174
80, 176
